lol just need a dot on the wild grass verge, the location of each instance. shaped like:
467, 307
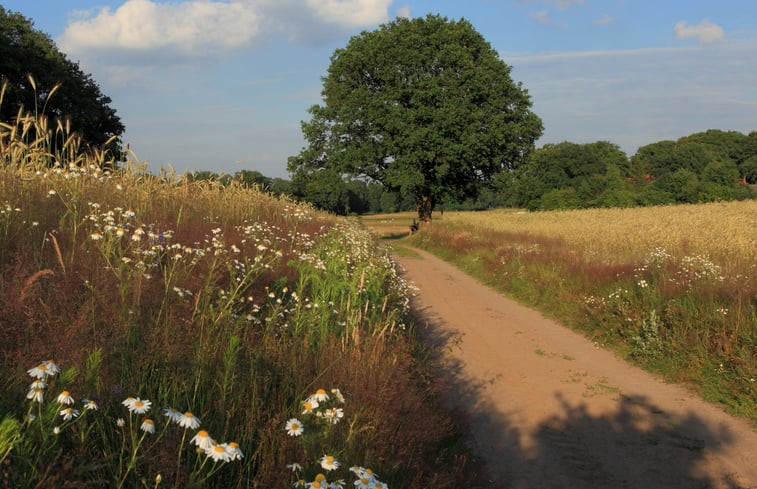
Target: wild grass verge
671, 288
157, 332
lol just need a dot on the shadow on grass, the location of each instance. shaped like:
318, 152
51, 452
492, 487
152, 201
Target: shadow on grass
635, 446
395, 236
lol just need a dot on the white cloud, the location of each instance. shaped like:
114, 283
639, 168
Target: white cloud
188, 28
403, 11
605, 19
543, 17
153, 32
706, 32
351, 13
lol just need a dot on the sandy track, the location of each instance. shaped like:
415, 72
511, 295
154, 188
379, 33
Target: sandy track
548, 409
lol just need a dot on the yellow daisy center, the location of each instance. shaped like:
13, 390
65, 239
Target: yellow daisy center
202, 434
219, 449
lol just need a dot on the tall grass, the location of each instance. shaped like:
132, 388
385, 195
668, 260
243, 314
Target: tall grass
672, 288
174, 302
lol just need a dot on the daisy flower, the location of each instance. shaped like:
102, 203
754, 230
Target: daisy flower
139, 406
38, 384
128, 402
52, 368
319, 482
294, 427
36, 395
299, 484
69, 413
363, 473
189, 420
334, 415
319, 396
309, 405
338, 395
203, 440
328, 462
148, 426
65, 398
218, 453
294, 467
172, 414
90, 405
379, 485
233, 450
363, 483
41, 371
120, 422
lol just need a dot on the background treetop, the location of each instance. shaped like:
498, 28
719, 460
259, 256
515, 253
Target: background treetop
25, 51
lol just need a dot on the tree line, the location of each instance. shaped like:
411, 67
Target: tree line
709, 166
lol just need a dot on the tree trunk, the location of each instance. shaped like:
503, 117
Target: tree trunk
425, 207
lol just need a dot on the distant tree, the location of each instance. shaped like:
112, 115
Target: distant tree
731, 144
252, 178
424, 106
582, 168
749, 169
25, 51
560, 199
324, 189
281, 186
682, 185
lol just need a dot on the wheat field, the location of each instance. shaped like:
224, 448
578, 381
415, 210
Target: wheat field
724, 232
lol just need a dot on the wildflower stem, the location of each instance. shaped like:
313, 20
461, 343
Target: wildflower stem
178, 460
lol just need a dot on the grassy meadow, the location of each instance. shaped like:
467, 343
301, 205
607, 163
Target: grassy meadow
672, 288
156, 332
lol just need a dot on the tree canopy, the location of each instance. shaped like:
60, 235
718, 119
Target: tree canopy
29, 53
425, 107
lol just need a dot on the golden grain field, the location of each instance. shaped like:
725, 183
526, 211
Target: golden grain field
724, 232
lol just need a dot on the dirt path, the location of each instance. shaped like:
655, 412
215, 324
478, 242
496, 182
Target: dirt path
548, 409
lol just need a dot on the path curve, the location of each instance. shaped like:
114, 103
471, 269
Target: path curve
549, 409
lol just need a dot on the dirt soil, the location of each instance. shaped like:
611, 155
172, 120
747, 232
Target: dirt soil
547, 408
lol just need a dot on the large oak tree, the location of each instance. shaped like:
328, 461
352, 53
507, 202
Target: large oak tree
425, 106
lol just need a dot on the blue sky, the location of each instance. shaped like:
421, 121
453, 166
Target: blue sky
223, 85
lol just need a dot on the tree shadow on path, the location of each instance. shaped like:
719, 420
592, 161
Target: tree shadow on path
635, 446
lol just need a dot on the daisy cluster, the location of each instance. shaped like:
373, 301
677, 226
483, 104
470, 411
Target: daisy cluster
365, 478
217, 452
319, 407
324, 409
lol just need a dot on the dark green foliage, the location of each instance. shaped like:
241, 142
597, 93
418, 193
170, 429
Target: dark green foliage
25, 52
424, 106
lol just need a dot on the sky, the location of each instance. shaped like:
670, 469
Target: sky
223, 85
